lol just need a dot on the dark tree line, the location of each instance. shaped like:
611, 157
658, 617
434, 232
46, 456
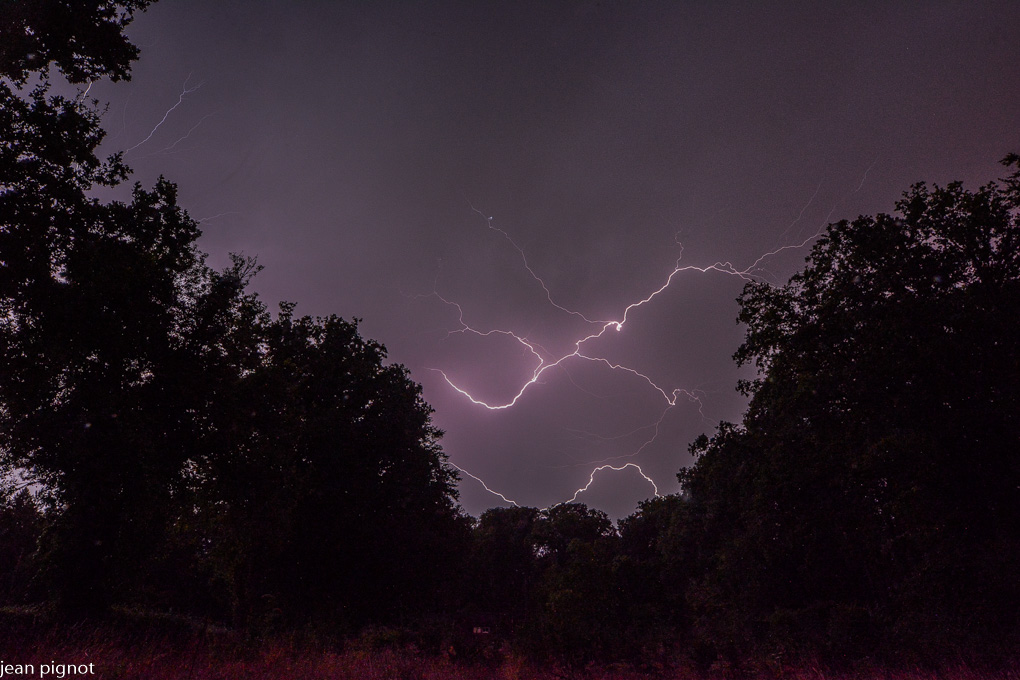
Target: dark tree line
168, 443
189, 449
872, 493
867, 507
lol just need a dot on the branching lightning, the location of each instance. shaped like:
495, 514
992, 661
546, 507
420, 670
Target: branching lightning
524, 259
544, 361
802, 211
482, 482
591, 479
185, 90
617, 325
170, 147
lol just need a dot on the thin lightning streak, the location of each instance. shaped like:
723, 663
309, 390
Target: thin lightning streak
185, 91
123, 117
85, 94
863, 179
217, 216
582, 389
655, 435
596, 437
544, 364
646, 444
591, 479
188, 134
484, 485
802, 211
464, 328
618, 325
795, 246
670, 398
524, 258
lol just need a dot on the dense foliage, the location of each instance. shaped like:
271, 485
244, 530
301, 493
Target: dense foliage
870, 496
867, 507
167, 443
189, 448
84, 38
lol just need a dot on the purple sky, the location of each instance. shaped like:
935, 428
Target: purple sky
358, 149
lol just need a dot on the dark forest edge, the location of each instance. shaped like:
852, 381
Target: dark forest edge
169, 445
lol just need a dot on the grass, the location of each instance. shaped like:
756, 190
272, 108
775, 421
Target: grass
115, 658
204, 654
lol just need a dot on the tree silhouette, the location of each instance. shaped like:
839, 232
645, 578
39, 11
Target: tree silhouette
101, 306
333, 482
163, 411
21, 524
84, 38
873, 484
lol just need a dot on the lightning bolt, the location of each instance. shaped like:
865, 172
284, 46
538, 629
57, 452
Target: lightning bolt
864, 179
85, 93
617, 325
217, 216
802, 211
169, 148
185, 90
795, 246
484, 485
536, 277
591, 480
544, 361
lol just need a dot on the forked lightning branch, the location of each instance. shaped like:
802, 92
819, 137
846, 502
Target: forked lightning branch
580, 352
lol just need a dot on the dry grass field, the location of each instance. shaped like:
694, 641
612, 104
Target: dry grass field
136, 654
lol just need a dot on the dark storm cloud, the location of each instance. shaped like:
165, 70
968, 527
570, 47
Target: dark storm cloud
346, 144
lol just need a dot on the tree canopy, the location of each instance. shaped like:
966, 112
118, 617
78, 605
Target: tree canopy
159, 407
85, 38
872, 486
334, 462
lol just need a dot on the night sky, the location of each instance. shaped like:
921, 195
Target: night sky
360, 149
